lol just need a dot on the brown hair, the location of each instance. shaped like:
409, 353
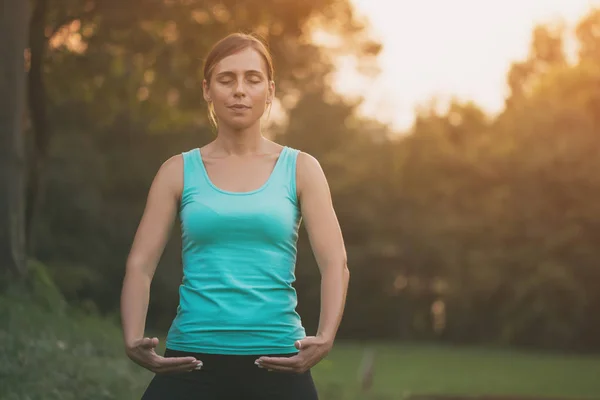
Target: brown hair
229, 45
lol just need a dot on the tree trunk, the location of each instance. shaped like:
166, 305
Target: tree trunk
41, 131
14, 22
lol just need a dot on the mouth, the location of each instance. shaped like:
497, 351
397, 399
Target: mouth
239, 107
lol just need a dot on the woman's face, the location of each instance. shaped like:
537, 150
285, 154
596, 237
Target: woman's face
239, 89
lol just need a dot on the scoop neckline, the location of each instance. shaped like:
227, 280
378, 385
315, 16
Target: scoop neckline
232, 193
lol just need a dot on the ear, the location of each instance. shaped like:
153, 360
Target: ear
271, 94
205, 91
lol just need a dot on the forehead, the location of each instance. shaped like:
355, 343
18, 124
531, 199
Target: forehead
240, 62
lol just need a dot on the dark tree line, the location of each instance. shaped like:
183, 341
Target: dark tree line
469, 228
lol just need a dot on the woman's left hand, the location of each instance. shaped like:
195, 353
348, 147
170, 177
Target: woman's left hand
312, 349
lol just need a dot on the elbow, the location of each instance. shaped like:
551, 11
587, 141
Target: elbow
343, 271
139, 267
346, 273
335, 269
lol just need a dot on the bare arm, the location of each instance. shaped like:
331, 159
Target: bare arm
148, 245
147, 248
326, 241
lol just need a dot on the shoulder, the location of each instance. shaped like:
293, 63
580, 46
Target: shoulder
172, 167
309, 172
307, 163
169, 176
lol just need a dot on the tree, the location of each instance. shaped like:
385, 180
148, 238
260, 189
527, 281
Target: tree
13, 29
122, 85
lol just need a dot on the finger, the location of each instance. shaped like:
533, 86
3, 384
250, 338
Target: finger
148, 343
306, 342
168, 362
177, 369
276, 367
282, 361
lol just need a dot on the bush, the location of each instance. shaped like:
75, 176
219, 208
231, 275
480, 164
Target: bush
50, 351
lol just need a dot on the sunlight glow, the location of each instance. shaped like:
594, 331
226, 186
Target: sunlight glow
441, 48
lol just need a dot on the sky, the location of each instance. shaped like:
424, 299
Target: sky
443, 48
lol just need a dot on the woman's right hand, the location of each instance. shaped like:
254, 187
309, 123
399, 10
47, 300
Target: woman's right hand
142, 353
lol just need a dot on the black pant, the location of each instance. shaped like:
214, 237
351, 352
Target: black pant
230, 377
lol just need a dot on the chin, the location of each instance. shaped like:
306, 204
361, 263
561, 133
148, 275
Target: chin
240, 125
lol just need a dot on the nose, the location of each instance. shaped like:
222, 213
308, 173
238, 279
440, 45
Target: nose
240, 90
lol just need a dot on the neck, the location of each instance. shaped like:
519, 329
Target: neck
240, 142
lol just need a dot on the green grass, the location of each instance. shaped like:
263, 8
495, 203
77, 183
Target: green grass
52, 355
48, 351
402, 370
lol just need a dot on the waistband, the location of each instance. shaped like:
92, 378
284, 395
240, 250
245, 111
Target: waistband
219, 361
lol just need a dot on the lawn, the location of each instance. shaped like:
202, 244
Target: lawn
403, 370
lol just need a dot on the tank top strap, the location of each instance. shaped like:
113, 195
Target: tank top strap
285, 174
192, 170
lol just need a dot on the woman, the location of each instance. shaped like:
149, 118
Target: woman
240, 198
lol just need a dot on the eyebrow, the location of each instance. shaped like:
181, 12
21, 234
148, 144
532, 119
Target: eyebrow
249, 72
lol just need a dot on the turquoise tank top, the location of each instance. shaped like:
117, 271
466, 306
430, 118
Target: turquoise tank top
239, 256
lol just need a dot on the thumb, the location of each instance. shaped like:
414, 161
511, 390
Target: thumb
149, 343
304, 343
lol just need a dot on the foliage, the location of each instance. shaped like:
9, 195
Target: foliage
468, 229
53, 353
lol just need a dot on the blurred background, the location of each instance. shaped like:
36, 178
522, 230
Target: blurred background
461, 141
